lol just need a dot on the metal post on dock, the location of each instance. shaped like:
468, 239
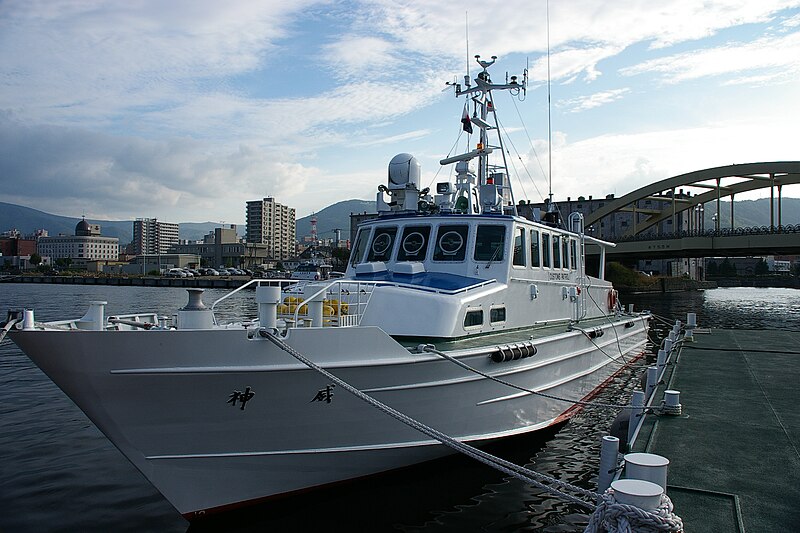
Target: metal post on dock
661, 361
637, 408
652, 381
609, 451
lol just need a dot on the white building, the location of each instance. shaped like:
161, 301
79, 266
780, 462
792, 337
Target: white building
152, 237
86, 244
273, 224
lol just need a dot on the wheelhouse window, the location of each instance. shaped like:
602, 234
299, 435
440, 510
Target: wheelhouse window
546, 250
451, 243
535, 259
414, 243
556, 252
473, 318
382, 244
519, 248
360, 247
489, 243
565, 251
573, 256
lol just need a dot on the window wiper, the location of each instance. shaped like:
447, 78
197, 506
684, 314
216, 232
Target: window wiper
497, 251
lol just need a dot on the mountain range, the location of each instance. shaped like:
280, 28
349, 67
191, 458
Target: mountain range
27, 220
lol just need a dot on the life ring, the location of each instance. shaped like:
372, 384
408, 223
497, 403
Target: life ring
612, 299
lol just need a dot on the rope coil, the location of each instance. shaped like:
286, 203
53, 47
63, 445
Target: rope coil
610, 516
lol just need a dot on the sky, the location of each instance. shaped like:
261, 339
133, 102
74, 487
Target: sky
183, 110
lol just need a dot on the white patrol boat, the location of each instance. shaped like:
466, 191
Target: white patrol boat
457, 321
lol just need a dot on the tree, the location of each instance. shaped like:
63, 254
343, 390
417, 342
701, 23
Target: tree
35, 259
339, 258
727, 269
761, 268
712, 269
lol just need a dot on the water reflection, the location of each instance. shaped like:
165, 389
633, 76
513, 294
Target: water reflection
60, 474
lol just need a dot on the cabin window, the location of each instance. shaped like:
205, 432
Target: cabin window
451, 243
565, 252
497, 314
414, 243
473, 318
573, 256
360, 247
489, 243
556, 252
546, 250
382, 243
535, 260
519, 248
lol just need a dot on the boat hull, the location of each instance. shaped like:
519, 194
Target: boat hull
219, 417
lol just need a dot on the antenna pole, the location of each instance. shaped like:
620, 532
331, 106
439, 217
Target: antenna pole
549, 124
466, 33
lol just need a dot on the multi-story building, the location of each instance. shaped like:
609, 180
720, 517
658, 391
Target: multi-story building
152, 237
223, 248
86, 245
273, 224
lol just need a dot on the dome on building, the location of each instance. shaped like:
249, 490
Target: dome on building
83, 229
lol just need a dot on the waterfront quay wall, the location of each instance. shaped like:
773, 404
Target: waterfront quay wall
145, 281
660, 285
784, 282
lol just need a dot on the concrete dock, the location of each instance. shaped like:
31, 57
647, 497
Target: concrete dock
734, 460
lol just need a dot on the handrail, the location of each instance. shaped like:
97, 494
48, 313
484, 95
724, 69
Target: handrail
251, 282
324, 290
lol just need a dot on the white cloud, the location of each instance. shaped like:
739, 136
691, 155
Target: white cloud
177, 106
591, 101
67, 170
620, 163
770, 57
355, 55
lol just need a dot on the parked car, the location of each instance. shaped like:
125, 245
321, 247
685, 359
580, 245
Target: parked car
176, 273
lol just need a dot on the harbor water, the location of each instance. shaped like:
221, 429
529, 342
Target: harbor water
58, 473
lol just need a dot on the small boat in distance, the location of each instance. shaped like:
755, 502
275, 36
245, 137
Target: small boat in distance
454, 310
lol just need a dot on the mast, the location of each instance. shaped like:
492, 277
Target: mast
487, 188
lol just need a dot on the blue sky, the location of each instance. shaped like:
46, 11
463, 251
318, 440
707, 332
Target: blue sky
185, 110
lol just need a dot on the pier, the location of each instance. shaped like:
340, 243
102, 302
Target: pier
228, 282
734, 460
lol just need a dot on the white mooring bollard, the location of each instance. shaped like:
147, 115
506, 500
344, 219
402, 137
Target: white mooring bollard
691, 320
639, 493
268, 297
609, 450
27, 319
672, 402
647, 467
689, 335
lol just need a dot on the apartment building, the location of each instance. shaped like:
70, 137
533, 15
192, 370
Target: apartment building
150, 236
272, 224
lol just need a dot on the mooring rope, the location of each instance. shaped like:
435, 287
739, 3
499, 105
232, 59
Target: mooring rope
613, 517
526, 475
432, 349
7, 328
